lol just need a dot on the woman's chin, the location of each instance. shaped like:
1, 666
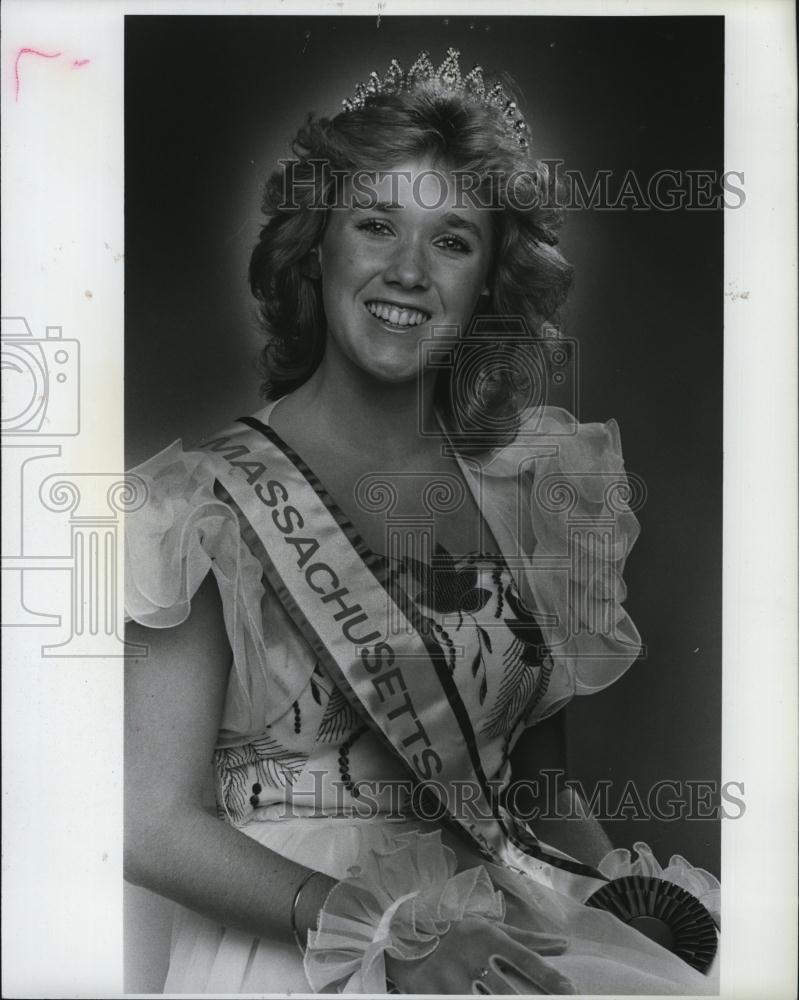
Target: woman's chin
393, 375
391, 370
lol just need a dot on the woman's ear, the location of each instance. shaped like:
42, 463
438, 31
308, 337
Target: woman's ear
311, 266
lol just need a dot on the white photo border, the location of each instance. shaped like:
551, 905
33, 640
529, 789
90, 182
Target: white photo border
62, 253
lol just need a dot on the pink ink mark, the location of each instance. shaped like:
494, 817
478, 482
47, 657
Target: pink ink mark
77, 63
28, 52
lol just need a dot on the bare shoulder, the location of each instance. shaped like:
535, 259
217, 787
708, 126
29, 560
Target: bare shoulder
184, 670
174, 698
201, 638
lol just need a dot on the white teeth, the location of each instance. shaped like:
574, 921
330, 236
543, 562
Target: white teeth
395, 315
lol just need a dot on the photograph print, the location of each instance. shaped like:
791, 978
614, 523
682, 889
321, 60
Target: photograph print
423, 400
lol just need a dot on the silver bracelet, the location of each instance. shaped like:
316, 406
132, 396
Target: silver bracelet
294, 902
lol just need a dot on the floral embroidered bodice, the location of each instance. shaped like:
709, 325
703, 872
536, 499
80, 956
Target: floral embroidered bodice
289, 741
319, 752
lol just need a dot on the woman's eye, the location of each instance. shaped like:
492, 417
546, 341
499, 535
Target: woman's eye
454, 243
377, 226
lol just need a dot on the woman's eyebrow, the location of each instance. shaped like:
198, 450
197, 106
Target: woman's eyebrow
451, 219
367, 205
456, 221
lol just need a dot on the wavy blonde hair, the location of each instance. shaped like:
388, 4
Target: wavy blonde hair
529, 278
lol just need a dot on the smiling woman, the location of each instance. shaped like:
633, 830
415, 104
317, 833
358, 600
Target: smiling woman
392, 274
392, 605
442, 184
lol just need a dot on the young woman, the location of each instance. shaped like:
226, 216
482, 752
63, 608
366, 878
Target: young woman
357, 600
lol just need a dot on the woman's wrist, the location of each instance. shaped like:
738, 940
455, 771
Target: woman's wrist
308, 900
398, 903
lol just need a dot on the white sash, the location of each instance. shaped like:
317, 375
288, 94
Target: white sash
397, 679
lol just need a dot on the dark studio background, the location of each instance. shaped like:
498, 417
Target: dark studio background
211, 104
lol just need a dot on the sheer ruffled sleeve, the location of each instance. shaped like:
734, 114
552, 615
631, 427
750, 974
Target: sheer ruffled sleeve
172, 541
561, 500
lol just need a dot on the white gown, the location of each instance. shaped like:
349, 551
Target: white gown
278, 763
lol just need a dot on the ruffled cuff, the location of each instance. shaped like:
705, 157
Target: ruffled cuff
396, 903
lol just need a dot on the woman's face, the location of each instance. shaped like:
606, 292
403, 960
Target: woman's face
416, 260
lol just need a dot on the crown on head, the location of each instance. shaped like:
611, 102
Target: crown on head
447, 78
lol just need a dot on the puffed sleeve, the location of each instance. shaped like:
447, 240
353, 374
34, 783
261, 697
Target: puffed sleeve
179, 534
562, 497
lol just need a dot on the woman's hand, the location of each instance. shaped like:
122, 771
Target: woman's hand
523, 903
480, 956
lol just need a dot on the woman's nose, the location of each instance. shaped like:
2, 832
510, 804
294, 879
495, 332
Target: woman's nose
408, 266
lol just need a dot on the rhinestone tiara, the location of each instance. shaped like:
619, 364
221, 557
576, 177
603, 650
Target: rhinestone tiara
448, 78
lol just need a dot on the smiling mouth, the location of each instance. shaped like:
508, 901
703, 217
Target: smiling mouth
396, 317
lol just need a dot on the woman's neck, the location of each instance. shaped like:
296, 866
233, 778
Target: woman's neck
375, 418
